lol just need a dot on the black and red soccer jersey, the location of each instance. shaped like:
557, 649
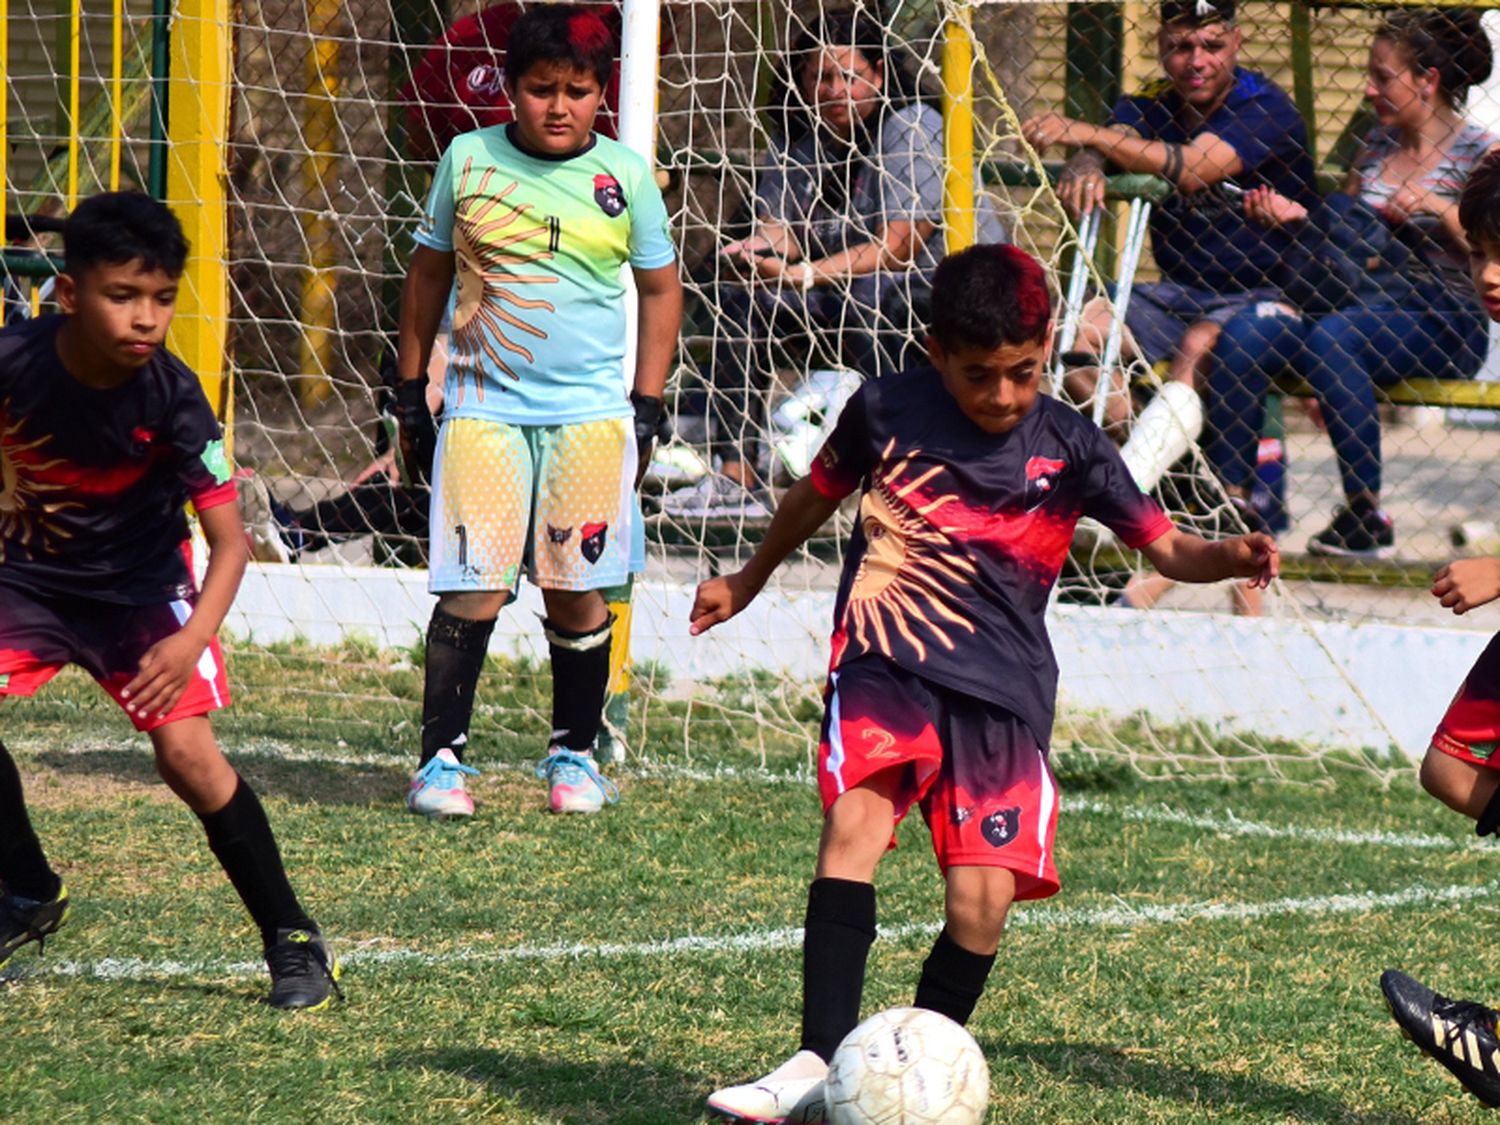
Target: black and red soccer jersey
95, 481
962, 533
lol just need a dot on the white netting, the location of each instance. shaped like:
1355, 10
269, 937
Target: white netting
325, 172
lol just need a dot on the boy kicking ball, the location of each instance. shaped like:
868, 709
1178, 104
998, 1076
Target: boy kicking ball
1461, 768
943, 683
104, 437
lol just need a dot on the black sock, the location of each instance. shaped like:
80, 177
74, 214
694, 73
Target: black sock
24, 869
953, 979
580, 677
455, 657
240, 836
839, 931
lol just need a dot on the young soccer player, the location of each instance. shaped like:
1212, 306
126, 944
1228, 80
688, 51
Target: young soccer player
942, 686
1461, 768
105, 436
540, 449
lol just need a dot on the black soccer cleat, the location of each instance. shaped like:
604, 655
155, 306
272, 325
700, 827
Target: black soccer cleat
304, 971
28, 919
1460, 1034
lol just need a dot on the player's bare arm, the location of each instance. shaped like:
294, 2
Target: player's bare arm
801, 512
169, 664
1189, 558
1201, 163
1467, 584
659, 299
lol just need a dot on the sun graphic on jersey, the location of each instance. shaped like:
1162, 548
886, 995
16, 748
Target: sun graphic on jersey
906, 581
24, 507
494, 238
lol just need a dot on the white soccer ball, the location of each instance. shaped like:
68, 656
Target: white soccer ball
908, 1066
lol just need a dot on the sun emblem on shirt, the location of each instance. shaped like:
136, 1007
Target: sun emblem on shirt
495, 237
906, 581
24, 507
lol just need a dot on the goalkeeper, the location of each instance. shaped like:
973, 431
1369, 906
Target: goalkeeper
943, 682
540, 449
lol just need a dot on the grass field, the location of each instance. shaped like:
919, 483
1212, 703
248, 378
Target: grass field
1213, 955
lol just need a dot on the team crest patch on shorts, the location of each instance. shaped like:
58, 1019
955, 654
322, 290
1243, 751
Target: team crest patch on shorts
592, 544
1484, 751
1000, 828
559, 535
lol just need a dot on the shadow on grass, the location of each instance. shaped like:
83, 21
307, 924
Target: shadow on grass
1109, 1068
564, 1089
318, 783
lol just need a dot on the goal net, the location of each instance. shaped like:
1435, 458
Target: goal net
337, 112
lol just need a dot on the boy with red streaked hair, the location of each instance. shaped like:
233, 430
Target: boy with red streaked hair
943, 682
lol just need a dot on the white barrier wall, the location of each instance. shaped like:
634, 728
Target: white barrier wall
1338, 685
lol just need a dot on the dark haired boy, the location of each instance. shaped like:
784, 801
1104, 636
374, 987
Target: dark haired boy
1461, 768
943, 681
105, 436
541, 448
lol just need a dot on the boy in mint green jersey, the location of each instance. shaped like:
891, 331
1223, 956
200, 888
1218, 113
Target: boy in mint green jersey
544, 433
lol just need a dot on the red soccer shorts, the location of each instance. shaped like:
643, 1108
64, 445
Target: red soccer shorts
1470, 729
39, 634
982, 782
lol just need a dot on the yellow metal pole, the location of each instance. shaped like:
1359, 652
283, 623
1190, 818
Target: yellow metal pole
198, 139
116, 94
958, 131
4, 103
319, 287
75, 44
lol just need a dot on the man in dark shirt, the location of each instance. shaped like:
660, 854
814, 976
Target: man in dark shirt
104, 437
1213, 130
943, 682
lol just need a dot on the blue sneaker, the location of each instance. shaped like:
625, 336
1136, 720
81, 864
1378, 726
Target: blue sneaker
437, 789
574, 783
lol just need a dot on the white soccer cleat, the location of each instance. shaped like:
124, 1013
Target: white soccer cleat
792, 1093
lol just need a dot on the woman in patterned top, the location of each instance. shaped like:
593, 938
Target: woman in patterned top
1413, 314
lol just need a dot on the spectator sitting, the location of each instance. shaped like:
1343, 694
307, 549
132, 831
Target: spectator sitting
377, 502
1212, 129
1422, 319
847, 231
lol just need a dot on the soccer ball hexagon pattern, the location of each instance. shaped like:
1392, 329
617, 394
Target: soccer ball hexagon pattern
908, 1066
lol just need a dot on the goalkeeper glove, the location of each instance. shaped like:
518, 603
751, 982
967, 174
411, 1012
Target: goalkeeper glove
648, 420
417, 431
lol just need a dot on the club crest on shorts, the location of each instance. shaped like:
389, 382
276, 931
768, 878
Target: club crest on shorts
591, 546
1001, 827
559, 535
609, 195
1042, 476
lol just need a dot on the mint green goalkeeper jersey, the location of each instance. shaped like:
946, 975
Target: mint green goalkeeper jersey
539, 247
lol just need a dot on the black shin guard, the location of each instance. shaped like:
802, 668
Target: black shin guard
240, 837
24, 869
836, 943
580, 678
455, 657
953, 979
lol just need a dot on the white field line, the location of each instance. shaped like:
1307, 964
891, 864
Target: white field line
383, 952
1223, 824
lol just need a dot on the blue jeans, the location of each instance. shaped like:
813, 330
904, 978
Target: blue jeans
1343, 357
